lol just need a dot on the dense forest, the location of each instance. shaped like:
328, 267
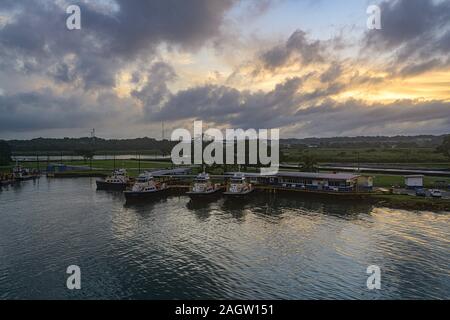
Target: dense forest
5, 153
373, 142
44, 145
93, 144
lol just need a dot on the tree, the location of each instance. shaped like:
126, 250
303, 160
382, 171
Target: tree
309, 163
5, 153
444, 148
86, 154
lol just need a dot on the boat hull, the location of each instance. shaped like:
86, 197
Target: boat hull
139, 196
103, 185
195, 195
26, 178
238, 194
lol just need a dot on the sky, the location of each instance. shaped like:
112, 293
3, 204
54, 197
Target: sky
311, 68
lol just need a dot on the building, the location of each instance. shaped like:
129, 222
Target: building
342, 182
335, 182
414, 182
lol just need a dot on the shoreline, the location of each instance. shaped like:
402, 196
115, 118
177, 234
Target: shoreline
393, 201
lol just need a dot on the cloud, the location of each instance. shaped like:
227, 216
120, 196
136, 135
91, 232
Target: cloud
356, 117
415, 35
47, 109
297, 49
55, 78
37, 38
311, 113
333, 72
155, 91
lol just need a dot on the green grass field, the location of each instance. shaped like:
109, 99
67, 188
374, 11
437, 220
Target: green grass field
367, 155
386, 181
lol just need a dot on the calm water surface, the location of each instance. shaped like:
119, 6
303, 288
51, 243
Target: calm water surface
266, 247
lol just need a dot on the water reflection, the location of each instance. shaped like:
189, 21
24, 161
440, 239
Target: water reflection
262, 247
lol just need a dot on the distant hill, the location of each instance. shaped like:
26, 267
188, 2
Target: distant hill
94, 144
150, 144
372, 142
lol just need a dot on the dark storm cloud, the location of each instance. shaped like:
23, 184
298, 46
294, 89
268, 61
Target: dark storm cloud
332, 73
44, 110
314, 113
418, 68
297, 49
155, 91
415, 33
37, 37
228, 105
358, 117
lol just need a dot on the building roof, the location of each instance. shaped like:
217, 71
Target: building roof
415, 176
168, 172
314, 175
306, 175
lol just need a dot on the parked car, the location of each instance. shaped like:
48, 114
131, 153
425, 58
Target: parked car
436, 193
421, 193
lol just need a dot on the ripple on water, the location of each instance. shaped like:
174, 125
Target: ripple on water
266, 247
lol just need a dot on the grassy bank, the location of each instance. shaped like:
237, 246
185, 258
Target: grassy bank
410, 202
366, 155
387, 181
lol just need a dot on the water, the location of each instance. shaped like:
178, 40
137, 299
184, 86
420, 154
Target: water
266, 247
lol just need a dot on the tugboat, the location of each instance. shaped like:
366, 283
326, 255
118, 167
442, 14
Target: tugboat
238, 186
23, 174
145, 187
117, 181
203, 187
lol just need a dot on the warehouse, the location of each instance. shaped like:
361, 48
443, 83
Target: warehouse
336, 182
342, 182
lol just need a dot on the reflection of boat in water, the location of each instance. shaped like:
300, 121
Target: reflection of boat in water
238, 186
145, 187
6, 179
23, 174
117, 181
202, 202
203, 187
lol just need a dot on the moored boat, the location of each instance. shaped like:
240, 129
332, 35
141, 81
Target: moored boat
204, 187
238, 186
23, 174
117, 181
145, 187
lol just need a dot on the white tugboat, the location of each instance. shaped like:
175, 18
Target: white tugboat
145, 187
239, 186
203, 186
117, 181
23, 174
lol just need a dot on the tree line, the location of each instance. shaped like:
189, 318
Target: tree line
5, 153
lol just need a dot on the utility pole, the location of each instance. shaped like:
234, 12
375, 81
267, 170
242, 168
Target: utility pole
358, 163
139, 163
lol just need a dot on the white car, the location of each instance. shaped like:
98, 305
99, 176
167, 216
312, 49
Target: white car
436, 193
